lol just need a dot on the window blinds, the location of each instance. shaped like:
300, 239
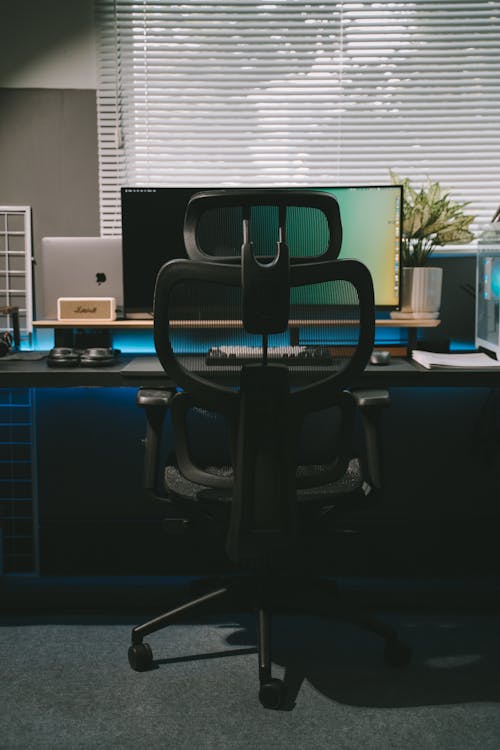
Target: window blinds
294, 92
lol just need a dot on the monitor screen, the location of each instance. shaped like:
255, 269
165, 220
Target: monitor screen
152, 233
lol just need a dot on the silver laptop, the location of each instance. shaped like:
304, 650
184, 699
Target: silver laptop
80, 267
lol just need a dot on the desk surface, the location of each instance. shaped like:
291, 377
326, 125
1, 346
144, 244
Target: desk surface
135, 371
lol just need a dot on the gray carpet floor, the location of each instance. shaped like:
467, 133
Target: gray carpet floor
65, 683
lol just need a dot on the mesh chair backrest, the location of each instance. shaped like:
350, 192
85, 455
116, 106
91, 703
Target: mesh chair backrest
201, 342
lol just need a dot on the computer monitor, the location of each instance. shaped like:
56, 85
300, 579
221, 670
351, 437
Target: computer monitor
152, 233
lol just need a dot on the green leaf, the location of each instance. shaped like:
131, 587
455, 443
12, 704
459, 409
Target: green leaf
434, 192
454, 235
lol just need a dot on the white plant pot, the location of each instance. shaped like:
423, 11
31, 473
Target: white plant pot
420, 293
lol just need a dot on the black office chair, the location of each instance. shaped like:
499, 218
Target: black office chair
272, 505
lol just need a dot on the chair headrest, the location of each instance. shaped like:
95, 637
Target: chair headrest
209, 200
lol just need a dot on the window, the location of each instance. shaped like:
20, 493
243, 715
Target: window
294, 92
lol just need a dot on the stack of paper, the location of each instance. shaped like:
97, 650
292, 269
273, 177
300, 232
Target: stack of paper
473, 361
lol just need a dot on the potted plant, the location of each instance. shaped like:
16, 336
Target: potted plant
430, 219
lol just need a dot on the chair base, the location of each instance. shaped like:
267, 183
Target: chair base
262, 591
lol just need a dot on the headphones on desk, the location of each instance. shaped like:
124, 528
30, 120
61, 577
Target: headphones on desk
99, 356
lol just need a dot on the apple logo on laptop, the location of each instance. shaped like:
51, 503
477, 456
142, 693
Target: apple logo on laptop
100, 278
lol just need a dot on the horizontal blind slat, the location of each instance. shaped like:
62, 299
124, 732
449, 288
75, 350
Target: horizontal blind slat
316, 92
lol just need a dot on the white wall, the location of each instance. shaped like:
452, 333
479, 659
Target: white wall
47, 44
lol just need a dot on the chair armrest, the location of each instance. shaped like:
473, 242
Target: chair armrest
155, 401
370, 403
155, 396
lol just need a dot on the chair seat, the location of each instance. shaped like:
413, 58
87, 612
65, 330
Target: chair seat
180, 488
351, 481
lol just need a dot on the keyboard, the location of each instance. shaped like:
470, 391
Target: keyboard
305, 356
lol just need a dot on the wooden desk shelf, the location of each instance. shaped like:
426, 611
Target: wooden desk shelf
146, 324
64, 329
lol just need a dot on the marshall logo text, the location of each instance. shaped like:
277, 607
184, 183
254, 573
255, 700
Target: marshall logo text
81, 310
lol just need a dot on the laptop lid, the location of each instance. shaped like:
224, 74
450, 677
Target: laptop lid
80, 267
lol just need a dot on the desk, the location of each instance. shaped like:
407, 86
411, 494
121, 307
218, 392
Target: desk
400, 373
75, 444
143, 370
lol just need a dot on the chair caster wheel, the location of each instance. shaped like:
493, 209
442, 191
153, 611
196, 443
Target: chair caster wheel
397, 653
140, 657
271, 693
